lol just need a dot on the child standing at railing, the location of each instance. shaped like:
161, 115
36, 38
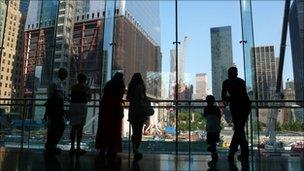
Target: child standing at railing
213, 128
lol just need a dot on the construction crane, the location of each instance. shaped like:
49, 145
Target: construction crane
272, 119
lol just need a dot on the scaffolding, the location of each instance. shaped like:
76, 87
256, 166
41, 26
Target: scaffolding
35, 53
84, 52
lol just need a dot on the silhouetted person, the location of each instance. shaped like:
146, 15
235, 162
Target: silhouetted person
137, 116
234, 92
55, 112
80, 95
213, 128
108, 138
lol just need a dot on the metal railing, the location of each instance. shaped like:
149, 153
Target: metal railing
24, 127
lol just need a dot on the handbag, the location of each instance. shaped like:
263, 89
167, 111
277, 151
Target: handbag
147, 108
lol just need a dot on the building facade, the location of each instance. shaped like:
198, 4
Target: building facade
182, 52
11, 57
266, 72
78, 40
201, 86
296, 26
3, 7
221, 57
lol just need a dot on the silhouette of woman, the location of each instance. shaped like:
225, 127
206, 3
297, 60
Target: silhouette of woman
137, 116
108, 138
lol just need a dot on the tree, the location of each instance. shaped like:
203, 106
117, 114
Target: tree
196, 119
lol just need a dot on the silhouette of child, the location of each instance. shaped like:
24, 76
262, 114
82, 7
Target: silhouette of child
213, 128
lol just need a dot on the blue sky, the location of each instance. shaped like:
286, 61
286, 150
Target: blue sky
195, 19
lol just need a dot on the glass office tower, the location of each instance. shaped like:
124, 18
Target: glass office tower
296, 25
221, 55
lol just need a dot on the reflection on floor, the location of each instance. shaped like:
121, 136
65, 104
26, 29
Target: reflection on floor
35, 160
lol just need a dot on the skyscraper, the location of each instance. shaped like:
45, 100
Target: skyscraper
3, 7
181, 60
221, 57
266, 72
201, 86
182, 52
78, 35
42, 19
11, 60
24, 4
296, 25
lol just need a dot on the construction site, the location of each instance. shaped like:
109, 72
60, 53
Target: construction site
49, 46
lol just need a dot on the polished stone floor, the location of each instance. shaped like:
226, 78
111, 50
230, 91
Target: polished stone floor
36, 160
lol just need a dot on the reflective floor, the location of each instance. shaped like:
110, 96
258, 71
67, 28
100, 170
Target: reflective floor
35, 160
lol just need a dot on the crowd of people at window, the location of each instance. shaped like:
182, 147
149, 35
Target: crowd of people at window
108, 137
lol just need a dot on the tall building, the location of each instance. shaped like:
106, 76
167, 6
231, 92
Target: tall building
24, 4
135, 50
11, 57
221, 57
266, 72
287, 114
39, 46
82, 7
296, 26
3, 7
182, 52
181, 60
127, 13
144, 14
201, 86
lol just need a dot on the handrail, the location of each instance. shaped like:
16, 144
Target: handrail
186, 101
180, 103
24, 103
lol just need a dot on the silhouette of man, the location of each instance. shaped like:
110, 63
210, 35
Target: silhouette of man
235, 94
55, 112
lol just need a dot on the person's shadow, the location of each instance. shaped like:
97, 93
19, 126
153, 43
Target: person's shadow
51, 163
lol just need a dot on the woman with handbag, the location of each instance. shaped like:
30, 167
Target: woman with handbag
139, 111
